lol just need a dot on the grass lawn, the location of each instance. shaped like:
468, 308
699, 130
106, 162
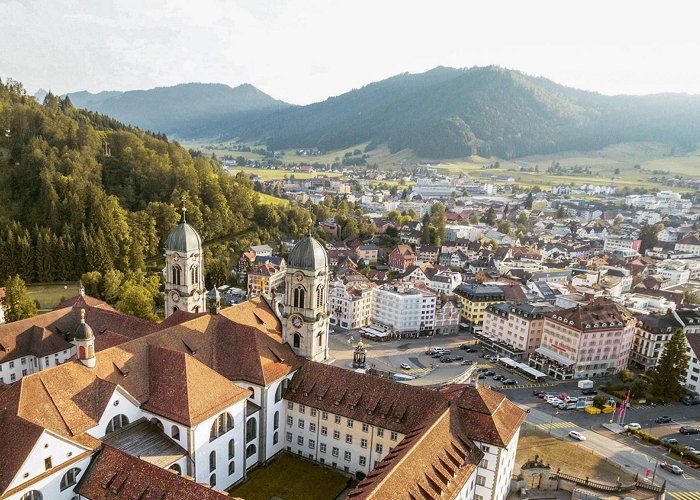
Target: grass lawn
267, 175
266, 199
50, 294
291, 478
567, 456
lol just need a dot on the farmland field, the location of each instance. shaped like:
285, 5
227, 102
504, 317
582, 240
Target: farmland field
51, 294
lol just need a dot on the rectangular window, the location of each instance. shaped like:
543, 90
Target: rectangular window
480, 480
290, 405
313, 412
485, 449
379, 448
47, 463
335, 452
484, 464
380, 432
337, 419
301, 424
289, 437
322, 447
363, 443
290, 420
312, 427
394, 436
312, 443
350, 423
324, 430
348, 438
348, 456
302, 409
300, 440
336, 434
363, 460
324, 415
12, 364
12, 377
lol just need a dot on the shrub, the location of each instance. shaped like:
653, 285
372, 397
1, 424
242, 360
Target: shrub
645, 436
625, 375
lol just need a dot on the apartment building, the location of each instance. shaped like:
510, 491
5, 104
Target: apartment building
264, 278
475, 298
518, 326
350, 298
407, 309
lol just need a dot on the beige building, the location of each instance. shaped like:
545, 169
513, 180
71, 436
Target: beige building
264, 278
519, 327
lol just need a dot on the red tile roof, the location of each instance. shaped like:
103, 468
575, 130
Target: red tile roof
115, 474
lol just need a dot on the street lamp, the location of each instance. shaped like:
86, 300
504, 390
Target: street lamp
551, 422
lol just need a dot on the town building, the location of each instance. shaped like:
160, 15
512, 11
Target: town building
406, 309
474, 299
689, 244
517, 328
613, 243
249, 256
402, 257
586, 341
351, 296
264, 278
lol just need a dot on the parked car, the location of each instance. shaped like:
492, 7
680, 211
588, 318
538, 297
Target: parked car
577, 435
458, 358
589, 392
688, 430
470, 349
570, 406
498, 377
634, 426
481, 375
663, 419
571, 400
405, 366
690, 401
446, 359
555, 401
690, 449
482, 369
536, 392
490, 373
669, 441
672, 468
509, 381
562, 406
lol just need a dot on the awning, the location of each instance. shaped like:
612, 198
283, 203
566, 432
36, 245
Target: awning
508, 362
548, 353
528, 369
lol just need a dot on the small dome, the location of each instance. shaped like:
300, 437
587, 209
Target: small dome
83, 332
184, 238
308, 254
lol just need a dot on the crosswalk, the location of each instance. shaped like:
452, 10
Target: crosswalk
417, 371
559, 425
528, 385
685, 495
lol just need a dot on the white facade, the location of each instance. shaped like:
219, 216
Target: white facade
351, 304
405, 309
495, 470
13, 370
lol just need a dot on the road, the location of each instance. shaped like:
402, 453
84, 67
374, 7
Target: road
634, 460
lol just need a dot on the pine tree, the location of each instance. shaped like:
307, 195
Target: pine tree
18, 304
670, 373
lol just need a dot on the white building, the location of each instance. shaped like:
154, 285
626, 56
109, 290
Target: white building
406, 309
441, 188
351, 302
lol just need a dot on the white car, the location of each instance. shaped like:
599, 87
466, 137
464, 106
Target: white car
634, 426
577, 435
555, 402
405, 366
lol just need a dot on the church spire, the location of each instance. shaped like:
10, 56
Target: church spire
184, 209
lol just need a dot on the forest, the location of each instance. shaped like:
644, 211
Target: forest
84, 193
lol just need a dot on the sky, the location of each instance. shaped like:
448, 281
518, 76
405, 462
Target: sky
303, 51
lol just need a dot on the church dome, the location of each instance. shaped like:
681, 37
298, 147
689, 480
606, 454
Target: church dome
309, 255
184, 238
83, 332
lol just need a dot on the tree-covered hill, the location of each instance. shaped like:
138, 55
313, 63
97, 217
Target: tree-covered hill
186, 110
82, 192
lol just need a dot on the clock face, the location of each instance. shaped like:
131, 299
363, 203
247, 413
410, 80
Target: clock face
297, 322
176, 296
300, 277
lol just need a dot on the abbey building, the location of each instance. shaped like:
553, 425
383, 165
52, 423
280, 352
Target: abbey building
186, 408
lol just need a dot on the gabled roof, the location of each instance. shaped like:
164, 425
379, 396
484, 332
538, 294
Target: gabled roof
115, 474
175, 388
20, 436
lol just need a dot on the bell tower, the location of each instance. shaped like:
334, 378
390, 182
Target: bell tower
184, 270
305, 319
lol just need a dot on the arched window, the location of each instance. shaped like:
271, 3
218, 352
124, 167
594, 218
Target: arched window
175, 309
278, 393
275, 438
252, 396
32, 495
69, 478
320, 339
158, 423
319, 296
175, 432
177, 274
212, 480
299, 296
91, 351
251, 430
194, 274
250, 450
297, 340
221, 426
212, 461
276, 420
176, 468
231, 467
81, 352
117, 423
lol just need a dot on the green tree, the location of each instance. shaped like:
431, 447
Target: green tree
522, 219
670, 373
690, 296
92, 283
561, 212
217, 273
490, 217
137, 301
649, 236
473, 219
112, 285
504, 227
18, 304
528, 200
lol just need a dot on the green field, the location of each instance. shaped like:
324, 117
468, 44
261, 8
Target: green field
51, 294
291, 478
268, 175
266, 199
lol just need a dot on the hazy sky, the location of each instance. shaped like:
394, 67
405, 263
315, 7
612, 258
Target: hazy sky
304, 51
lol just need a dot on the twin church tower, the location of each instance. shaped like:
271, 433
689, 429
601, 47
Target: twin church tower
303, 312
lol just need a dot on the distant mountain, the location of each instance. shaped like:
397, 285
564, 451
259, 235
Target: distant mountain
186, 110
442, 113
446, 113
